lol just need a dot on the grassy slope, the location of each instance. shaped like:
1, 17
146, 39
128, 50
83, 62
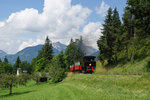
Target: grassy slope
84, 87
137, 68
90, 87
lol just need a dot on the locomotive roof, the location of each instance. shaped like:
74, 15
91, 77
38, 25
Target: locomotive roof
89, 57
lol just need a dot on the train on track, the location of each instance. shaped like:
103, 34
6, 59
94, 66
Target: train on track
87, 65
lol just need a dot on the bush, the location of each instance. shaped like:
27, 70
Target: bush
57, 68
57, 74
36, 76
23, 78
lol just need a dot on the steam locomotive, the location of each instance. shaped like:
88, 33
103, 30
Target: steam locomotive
87, 65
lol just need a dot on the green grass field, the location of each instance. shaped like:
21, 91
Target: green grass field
95, 86
85, 87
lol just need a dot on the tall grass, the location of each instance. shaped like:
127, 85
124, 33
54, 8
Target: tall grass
136, 68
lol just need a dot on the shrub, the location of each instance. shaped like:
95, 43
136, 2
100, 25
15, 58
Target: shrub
23, 78
36, 76
57, 74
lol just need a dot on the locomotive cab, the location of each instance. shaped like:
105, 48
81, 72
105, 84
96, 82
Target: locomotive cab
89, 64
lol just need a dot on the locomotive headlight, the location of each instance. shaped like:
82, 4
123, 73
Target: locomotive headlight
90, 64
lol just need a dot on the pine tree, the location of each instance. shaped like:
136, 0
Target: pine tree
2, 69
116, 33
126, 33
0, 61
105, 42
47, 50
17, 65
69, 57
110, 43
44, 57
140, 40
5, 60
59, 59
5, 67
74, 51
129, 40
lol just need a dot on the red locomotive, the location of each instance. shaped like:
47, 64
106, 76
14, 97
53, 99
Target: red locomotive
87, 65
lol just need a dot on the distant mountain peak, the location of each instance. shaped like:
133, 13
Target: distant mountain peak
59, 46
58, 42
2, 54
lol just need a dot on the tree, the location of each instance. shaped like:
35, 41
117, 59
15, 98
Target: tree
130, 40
23, 78
36, 76
17, 65
41, 64
110, 44
26, 66
117, 35
69, 57
74, 52
59, 60
5, 68
5, 60
47, 50
44, 56
57, 74
127, 35
79, 49
9, 81
8, 68
0, 61
2, 69
105, 42
57, 68
136, 29
140, 10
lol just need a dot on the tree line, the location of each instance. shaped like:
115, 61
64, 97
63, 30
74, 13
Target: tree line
5, 67
129, 39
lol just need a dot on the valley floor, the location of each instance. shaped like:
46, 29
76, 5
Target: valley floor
85, 87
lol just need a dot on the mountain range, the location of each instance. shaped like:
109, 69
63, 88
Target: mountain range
28, 53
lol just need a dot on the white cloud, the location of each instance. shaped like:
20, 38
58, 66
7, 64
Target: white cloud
30, 42
59, 20
102, 9
2, 24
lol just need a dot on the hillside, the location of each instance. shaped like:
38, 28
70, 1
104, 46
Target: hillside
139, 67
84, 87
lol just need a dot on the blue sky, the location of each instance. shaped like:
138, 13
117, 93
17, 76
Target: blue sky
9, 6
25, 23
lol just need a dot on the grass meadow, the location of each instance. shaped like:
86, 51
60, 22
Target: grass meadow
84, 87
